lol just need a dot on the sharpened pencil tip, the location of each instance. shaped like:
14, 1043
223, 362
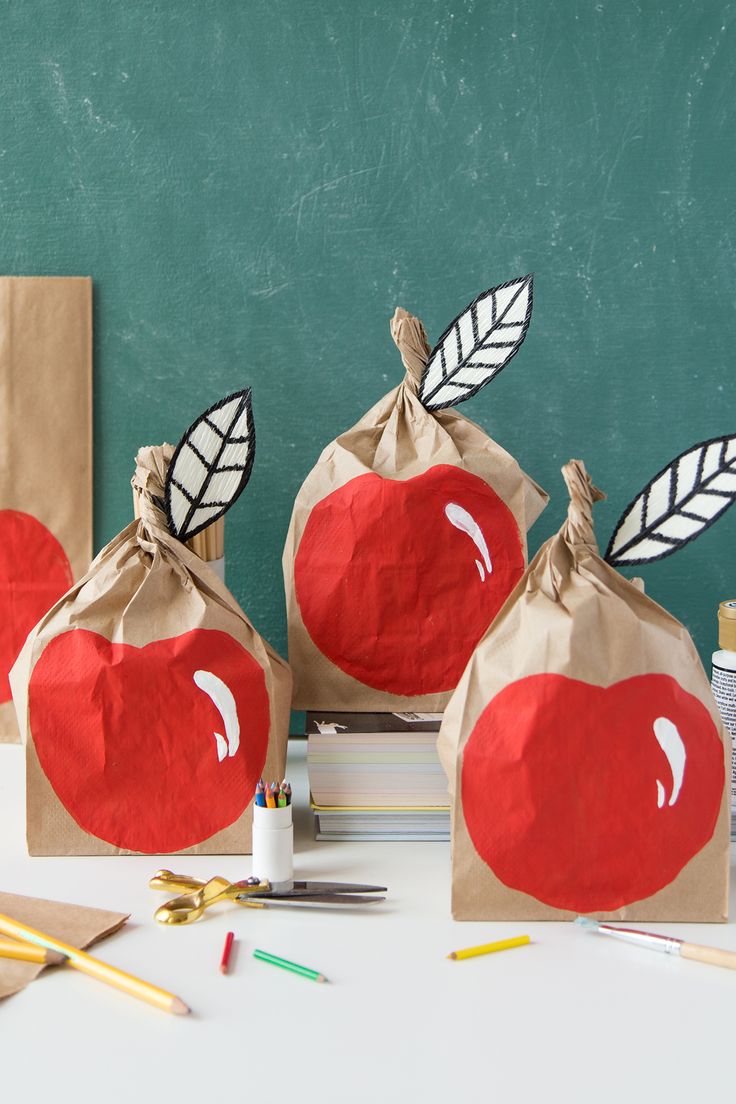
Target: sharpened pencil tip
179, 1008
320, 977
54, 958
452, 955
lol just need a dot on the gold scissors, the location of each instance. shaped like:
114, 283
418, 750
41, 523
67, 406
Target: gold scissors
253, 893
199, 895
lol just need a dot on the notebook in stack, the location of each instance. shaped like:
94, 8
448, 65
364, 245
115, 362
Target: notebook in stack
377, 776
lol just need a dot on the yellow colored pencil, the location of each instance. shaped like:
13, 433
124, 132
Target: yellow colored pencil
489, 948
79, 960
24, 952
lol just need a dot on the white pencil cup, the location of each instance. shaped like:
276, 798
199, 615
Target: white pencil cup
273, 844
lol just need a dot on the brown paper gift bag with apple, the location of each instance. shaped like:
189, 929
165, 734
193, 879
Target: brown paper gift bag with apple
410, 531
45, 455
584, 749
149, 704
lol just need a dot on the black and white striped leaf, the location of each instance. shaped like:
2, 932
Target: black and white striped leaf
477, 345
679, 504
211, 465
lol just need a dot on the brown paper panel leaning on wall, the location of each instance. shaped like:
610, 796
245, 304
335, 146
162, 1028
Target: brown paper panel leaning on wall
45, 455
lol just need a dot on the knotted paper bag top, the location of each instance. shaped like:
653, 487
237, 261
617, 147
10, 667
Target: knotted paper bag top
410, 531
149, 704
584, 750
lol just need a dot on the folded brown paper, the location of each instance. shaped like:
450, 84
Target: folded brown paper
76, 925
45, 455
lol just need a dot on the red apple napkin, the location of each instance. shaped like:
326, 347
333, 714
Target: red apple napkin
74, 924
410, 531
584, 750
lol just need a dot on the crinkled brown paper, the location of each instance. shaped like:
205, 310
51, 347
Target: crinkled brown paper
73, 924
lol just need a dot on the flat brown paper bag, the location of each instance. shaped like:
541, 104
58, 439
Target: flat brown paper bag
76, 925
45, 455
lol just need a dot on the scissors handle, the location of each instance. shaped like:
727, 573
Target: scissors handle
164, 879
191, 905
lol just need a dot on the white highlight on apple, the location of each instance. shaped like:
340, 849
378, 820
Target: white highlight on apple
224, 702
466, 523
670, 741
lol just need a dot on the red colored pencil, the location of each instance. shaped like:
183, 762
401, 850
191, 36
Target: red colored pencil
226, 951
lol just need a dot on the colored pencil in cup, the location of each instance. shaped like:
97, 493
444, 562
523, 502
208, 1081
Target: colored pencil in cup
79, 960
490, 948
25, 952
293, 967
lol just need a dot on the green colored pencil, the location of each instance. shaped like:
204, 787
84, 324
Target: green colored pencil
303, 971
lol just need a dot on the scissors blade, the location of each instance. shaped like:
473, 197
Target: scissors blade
312, 889
327, 900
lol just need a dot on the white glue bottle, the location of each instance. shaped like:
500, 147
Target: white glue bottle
273, 844
723, 682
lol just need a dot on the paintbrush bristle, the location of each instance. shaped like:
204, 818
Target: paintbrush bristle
587, 923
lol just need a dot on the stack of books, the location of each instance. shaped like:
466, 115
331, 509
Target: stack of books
377, 776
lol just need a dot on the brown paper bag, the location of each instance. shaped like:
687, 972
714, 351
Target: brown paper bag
45, 455
149, 704
584, 749
410, 531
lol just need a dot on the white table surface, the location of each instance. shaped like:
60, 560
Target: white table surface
572, 1017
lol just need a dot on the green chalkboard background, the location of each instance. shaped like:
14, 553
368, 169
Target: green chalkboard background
254, 185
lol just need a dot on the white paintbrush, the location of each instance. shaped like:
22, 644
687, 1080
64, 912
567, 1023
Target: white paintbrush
714, 956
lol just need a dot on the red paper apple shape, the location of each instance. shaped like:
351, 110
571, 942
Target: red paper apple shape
34, 573
397, 580
589, 798
152, 749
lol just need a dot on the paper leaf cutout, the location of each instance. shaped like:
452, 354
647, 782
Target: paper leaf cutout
211, 465
679, 504
477, 345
